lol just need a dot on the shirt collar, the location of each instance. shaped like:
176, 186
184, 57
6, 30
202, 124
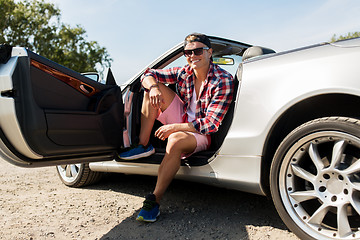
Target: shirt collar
210, 73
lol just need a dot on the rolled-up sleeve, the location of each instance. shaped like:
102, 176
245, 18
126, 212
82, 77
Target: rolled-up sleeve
163, 75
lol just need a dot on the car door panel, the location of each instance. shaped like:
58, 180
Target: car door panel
56, 95
84, 128
62, 113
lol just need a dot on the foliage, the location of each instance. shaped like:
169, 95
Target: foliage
36, 25
348, 36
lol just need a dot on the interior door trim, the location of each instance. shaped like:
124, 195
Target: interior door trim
77, 84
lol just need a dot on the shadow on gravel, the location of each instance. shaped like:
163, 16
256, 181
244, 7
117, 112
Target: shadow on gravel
192, 211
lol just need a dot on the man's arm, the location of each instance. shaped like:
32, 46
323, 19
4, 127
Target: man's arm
164, 131
150, 81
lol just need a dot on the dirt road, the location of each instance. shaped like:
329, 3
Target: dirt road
34, 204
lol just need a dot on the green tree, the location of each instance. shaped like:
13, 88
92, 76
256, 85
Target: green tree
36, 25
348, 36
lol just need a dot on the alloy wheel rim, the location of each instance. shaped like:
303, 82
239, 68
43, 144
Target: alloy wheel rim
319, 184
70, 172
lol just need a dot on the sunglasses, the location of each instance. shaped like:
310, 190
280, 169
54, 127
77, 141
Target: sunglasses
196, 51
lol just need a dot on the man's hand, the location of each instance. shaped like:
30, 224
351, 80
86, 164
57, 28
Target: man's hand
156, 98
164, 131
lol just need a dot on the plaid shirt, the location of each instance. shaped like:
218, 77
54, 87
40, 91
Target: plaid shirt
216, 93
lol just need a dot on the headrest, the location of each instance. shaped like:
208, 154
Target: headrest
256, 51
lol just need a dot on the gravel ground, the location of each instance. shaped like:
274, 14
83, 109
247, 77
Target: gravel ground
34, 204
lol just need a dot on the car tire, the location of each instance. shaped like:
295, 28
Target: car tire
78, 175
315, 179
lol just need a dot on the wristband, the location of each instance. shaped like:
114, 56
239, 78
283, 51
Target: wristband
152, 86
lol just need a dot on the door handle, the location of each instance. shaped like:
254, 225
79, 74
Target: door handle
86, 89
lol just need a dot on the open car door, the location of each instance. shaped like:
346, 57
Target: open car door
51, 115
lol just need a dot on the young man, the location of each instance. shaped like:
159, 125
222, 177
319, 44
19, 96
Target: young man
205, 93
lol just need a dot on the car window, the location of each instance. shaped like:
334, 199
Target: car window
180, 62
232, 68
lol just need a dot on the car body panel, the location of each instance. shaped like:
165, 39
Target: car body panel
258, 109
223, 171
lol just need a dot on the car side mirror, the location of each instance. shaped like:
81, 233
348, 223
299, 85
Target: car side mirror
92, 75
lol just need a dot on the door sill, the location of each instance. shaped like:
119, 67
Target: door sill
198, 159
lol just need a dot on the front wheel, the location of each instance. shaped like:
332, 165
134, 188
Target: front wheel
78, 175
315, 179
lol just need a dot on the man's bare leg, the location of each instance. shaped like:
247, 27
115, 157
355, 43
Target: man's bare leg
149, 114
178, 143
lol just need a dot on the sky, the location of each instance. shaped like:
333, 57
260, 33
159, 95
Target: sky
136, 32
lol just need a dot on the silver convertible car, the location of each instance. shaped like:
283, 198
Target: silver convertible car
292, 131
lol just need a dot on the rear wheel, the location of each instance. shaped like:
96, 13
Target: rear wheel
78, 175
315, 179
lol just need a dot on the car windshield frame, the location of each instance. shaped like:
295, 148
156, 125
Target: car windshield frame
176, 52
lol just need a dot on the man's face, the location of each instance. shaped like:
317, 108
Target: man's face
198, 61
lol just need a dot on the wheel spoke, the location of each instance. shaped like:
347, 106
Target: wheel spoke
356, 186
67, 171
302, 196
302, 173
343, 221
315, 157
74, 170
337, 153
355, 201
355, 205
355, 167
319, 215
